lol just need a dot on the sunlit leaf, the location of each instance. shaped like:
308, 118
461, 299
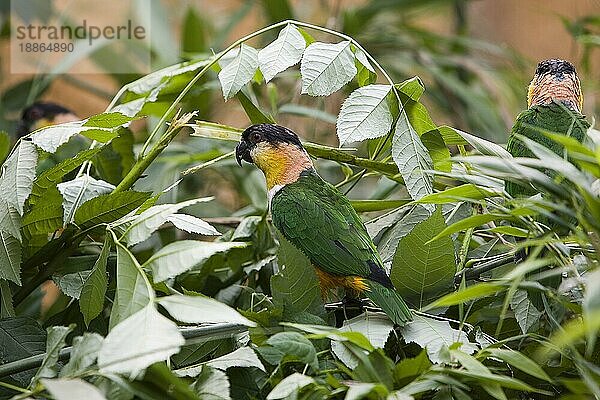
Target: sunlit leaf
185, 309
239, 71
326, 67
281, 54
78, 191
18, 173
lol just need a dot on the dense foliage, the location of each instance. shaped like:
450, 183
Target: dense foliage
151, 308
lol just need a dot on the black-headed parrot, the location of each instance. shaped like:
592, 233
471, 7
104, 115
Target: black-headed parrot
319, 220
555, 102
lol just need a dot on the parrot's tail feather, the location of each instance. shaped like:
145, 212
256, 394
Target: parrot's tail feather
390, 302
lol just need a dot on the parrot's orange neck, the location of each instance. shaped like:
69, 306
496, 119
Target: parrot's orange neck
545, 89
282, 164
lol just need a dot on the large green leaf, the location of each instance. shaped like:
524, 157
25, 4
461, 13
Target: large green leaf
282, 53
53, 175
20, 337
185, 309
296, 284
365, 114
326, 67
291, 346
91, 300
421, 269
239, 71
192, 224
142, 339
181, 256
289, 386
45, 217
133, 291
18, 172
212, 384
108, 208
526, 314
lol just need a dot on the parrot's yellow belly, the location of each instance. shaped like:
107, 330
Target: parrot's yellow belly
355, 284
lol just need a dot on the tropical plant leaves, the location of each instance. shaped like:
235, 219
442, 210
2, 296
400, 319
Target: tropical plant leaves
239, 71
422, 269
326, 67
365, 114
91, 300
10, 258
192, 224
282, 53
66, 389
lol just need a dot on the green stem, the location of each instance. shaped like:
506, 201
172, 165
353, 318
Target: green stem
142, 163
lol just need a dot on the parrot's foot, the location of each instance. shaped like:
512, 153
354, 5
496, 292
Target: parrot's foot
348, 308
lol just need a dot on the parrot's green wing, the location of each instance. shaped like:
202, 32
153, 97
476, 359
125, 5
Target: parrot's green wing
553, 117
316, 218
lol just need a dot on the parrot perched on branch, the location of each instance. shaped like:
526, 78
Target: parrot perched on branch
555, 102
317, 219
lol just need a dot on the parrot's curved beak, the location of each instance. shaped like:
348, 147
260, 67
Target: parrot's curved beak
242, 152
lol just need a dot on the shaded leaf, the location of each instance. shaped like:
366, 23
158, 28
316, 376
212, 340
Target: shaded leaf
84, 354
10, 258
57, 336
91, 300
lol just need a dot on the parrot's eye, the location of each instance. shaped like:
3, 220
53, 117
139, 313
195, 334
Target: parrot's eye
255, 137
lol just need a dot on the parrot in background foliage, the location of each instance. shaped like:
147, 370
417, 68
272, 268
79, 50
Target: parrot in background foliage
317, 219
555, 86
41, 114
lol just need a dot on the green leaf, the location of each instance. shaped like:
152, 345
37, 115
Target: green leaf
84, 354
181, 256
591, 306
20, 337
139, 228
253, 112
520, 361
57, 336
422, 269
142, 339
473, 292
18, 173
363, 60
467, 191
133, 292
440, 155
185, 309
45, 217
91, 300
108, 208
239, 71
4, 145
365, 114
108, 120
192, 224
432, 334
480, 145
296, 285
413, 159
290, 346
72, 274
289, 385
466, 223
326, 67
78, 191
510, 230
68, 389
52, 176
412, 87
10, 258
282, 53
